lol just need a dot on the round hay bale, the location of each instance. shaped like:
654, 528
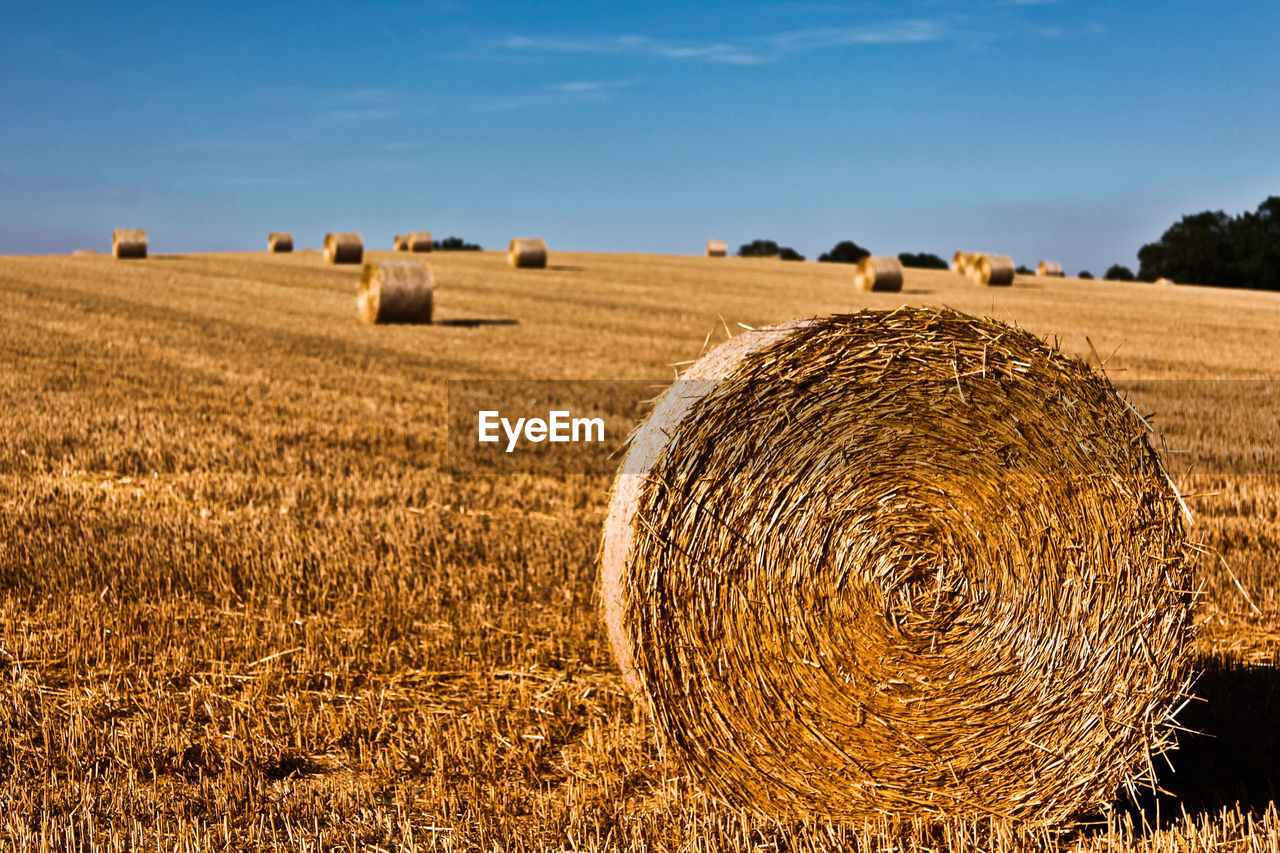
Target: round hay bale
419, 241
279, 241
402, 243
83, 252
395, 292
879, 273
129, 243
1163, 281
991, 270
899, 562
960, 262
527, 252
717, 249
343, 248
1049, 268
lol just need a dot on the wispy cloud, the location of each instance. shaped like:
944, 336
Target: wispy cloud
339, 104
572, 92
582, 87
756, 50
89, 62
360, 115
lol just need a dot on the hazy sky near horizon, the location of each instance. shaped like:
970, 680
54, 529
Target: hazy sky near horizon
1073, 130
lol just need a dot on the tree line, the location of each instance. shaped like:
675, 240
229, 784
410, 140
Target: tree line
844, 252
1202, 248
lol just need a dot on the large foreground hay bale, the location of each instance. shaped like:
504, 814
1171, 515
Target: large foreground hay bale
879, 273
343, 248
527, 252
717, 249
279, 241
129, 243
419, 241
906, 561
1049, 268
395, 292
990, 269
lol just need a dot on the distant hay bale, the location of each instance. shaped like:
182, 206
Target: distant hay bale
1049, 268
83, 252
402, 242
960, 263
395, 292
894, 562
279, 241
1163, 281
129, 243
343, 248
991, 269
527, 252
878, 273
717, 249
419, 241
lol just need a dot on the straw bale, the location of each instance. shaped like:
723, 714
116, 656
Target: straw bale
1049, 268
419, 241
279, 241
1163, 281
528, 252
899, 562
990, 269
717, 249
402, 242
343, 248
879, 273
129, 243
395, 292
960, 262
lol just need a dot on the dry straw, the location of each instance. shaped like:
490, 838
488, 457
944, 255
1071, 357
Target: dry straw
990, 269
419, 241
279, 241
899, 562
129, 243
717, 249
1049, 268
343, 248
395, 292
402, 242
879, 273
527, 252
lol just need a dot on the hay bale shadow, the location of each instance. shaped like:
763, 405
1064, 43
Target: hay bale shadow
473, 323
1230, 756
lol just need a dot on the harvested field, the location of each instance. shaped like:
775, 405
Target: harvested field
244, 606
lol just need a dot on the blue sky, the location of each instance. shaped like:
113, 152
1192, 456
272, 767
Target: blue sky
1058, 129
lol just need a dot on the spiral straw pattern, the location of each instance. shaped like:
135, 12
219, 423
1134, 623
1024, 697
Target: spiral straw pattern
900, 562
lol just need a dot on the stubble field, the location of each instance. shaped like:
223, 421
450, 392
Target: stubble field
244, 605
